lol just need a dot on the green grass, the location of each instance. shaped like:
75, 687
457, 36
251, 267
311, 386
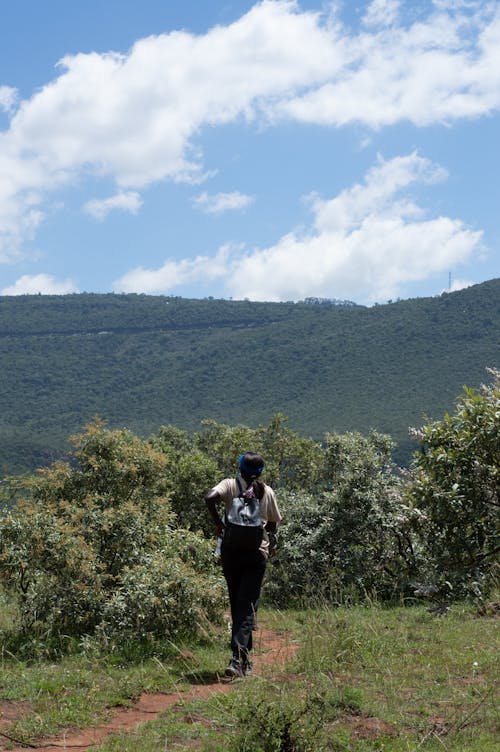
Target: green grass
431, 678
80, 691
81, 685
364, 678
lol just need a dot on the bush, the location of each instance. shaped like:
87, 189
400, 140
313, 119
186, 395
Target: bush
92, 546
454, 492
347, 542
190, 475
198, 461
292, 461
278, 719
163, 597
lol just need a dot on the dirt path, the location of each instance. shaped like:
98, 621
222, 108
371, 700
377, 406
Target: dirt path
271, 648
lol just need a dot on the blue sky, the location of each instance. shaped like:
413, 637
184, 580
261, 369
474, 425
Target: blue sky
272, 151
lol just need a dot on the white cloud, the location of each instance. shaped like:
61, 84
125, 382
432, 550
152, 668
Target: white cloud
458, 284
453, 5
382, 13
221, 202
434, 71
8, 98
175, 273
33, 284
128, 201
364, 244
135, 117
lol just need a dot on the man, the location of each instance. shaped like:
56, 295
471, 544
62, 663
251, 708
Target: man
244, 567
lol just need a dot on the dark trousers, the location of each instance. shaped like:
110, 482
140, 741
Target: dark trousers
244, 572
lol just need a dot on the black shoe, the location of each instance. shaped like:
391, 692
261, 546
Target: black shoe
235, 669
247, 668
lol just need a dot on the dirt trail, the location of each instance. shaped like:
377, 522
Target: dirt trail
271, 648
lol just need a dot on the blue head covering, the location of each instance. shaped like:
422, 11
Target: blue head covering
253, 472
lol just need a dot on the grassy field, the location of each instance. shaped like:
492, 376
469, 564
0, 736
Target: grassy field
363, 678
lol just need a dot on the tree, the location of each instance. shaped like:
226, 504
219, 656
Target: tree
455, 493
196, 462
292, 461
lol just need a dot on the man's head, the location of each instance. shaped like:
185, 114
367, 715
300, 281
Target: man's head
251, 465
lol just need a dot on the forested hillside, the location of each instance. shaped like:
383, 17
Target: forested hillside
142, 361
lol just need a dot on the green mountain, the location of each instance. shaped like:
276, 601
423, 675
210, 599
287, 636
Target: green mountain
145, 361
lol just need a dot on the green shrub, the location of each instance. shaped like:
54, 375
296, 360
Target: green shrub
348, 542
196, 462
162, 597
92, 546
454, 492
190, 475
292, 462
274, 718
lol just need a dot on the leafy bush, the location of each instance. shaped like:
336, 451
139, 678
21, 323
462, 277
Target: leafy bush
163, 597
92, 546
348, 541
196, 462
292, 461
190, 474
454, 491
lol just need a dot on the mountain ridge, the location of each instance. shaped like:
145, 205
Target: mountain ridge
143, 361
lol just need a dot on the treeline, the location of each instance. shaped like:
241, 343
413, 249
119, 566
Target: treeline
143, 362
117, 543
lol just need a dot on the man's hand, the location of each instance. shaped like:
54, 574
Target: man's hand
273, 543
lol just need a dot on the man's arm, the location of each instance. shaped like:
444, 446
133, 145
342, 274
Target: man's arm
212, 498
271, 528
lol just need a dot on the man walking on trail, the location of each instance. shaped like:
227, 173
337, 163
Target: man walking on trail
248, 532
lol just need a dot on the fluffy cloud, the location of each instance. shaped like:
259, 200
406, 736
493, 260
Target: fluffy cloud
382, 13
8, 98
433, 71
128, 201
175, 273
364, 244
33, 284
134, 117
219, 203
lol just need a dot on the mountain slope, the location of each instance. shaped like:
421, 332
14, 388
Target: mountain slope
142, 361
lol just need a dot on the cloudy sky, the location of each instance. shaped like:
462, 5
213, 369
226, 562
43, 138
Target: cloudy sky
269, 150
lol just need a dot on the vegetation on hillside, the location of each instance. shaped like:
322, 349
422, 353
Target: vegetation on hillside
117, 543
109, 588
143, 362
